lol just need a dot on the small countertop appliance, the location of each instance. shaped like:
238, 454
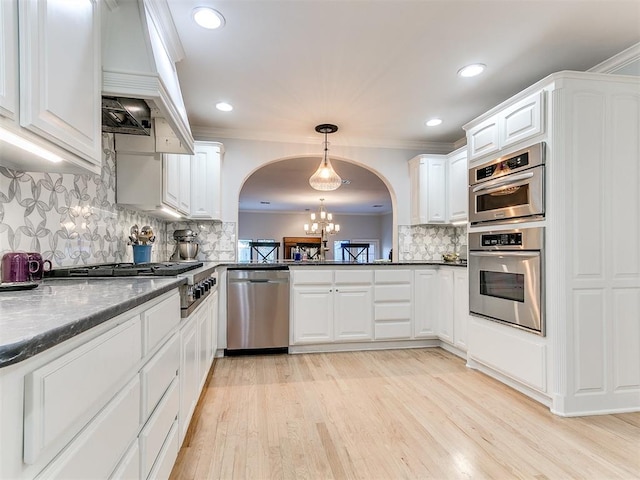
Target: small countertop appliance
186, 245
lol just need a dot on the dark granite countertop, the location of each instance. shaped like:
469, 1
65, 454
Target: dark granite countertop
32, 321
331, 263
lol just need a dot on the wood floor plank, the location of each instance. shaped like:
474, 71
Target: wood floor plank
395, 414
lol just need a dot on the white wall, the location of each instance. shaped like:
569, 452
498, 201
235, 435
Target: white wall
255, 225
243, 157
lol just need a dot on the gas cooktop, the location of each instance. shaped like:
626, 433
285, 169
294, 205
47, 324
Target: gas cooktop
167, 269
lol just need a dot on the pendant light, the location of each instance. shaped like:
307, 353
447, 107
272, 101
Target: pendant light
325, 178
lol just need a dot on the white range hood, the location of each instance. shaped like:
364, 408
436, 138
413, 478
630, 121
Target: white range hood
139, 50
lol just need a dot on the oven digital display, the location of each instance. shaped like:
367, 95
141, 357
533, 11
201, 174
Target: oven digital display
509, 286
504, 167
498, 239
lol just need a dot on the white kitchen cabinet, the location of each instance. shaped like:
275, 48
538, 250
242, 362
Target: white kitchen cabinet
189, 375
312, 314
59, 86
458, 191
353, 300
177, 181
9, 56
453, 306
521, 121
206, 191
425, 313
428, 177
393, 307
445, 303
328, 309
186, 184
80, 406
460, 307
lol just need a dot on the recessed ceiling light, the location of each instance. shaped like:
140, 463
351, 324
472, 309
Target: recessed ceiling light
471, 70
433, 122
224, 106
207, 17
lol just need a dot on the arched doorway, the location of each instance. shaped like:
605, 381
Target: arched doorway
276, 200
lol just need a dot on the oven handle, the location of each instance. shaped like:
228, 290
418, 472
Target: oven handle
503, 183
504, 252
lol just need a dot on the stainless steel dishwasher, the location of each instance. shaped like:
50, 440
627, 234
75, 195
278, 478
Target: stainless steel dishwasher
257, 310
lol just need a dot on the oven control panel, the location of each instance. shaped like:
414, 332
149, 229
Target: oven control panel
502, 239
504, 167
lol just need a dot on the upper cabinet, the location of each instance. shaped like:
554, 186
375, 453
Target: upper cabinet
439, 188
171, 185
206, 194
428, 175
50, 85
458, 186
521, 121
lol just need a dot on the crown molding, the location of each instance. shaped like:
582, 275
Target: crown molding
618, 61
207, 133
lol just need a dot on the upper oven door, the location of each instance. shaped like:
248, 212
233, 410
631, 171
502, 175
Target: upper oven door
510, 197
505, 286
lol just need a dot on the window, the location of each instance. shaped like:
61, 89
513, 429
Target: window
244, 250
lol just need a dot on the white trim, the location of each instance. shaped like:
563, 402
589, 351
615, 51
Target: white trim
618, 61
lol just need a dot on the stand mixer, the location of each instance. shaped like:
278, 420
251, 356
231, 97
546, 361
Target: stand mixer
186, 246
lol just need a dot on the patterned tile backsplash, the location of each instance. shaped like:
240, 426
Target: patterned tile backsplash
429, 242
74, 219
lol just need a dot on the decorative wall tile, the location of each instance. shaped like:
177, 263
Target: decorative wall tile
430, 242
217, 239
71, 219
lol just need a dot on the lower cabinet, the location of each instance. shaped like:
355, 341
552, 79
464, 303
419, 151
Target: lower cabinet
198, 342
111, 402
393, 304
453, 302
426, 301
332, 306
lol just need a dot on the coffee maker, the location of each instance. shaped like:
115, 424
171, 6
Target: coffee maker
186, 246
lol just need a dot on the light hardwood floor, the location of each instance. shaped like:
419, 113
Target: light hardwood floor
395, 414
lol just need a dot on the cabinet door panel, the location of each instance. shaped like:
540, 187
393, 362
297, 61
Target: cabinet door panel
188, 373
353, 318
9, 59
445, 297
483, 139
95, 452
205, 182
436, 190
523, 120
184, 202
171, 179
64, 394
460, 307
458, 187
60, 74
426, 303
312, 315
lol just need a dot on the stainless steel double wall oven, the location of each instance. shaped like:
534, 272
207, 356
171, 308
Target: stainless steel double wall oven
506, 264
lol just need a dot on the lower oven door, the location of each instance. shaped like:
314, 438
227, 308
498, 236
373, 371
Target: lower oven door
505, 286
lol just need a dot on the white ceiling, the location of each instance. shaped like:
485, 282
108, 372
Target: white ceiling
380, 69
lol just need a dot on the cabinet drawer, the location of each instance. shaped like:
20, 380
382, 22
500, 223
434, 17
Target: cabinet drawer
97, 449
392, 311
167, 456
129, 468
158, 427
314, 277
353, 276
158, 374
61, 397
159, 320
392, 330
392, 293
393, 276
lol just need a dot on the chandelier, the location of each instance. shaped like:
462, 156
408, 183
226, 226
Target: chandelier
322, 224
325, 178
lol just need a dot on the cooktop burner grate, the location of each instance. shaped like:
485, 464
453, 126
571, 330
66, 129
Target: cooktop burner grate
166, 269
